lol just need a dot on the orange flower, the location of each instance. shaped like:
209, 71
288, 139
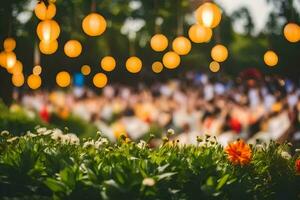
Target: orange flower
297, 166
239, 153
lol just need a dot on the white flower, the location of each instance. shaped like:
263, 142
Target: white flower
170, 131
70, 138
148, 182
29, 134
5, 132
73, 139
47, 132
88, 143
286, 155
142, 144
57, 134
100, 142
41, 130
12, 139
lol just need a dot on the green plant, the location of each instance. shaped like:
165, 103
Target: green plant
49, 164
17, 122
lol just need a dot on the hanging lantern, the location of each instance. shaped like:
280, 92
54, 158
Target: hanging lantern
11, 59
199, 33
63, 79
219, 53
100, 80
209, 15
159, 42
34, 81
3, 59
271, 58
214, 66
9, 44
37, 70
73, 48
48, 30
181, 45
94, 24
85, 70
108, 63
48, 47
291, 32
43, 12
171, 60
17, 80
16, 69
157, 67
133, 64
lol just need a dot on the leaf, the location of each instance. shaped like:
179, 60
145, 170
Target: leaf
222, 181
68, 177
162, 168
231, 181
210, 181
120, 178
112, 183
165, 175
54, 185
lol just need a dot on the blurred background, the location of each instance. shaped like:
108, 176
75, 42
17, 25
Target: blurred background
241, 99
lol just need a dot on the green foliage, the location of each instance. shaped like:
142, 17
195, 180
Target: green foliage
17, 122
44, 166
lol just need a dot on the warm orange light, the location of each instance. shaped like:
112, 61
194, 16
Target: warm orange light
9, 44
37, 70
214, 66
73, 48
85, 70
48, 30
171, 60
199, 33
43, 12
133, 64
2, 59
16, 69
181, 45
209, 15
94, 24
157, 67
219, 53
291, 32
63, 79
271, 58
100, 80
17, 80
34, 81
159, 42
108, 63
48, 47
11, 59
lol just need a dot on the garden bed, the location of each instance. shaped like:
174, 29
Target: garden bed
49, 164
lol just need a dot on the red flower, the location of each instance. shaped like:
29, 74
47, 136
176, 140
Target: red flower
239, 153
297, 166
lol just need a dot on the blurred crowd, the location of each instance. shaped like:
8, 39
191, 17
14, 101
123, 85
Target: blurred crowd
252, 107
